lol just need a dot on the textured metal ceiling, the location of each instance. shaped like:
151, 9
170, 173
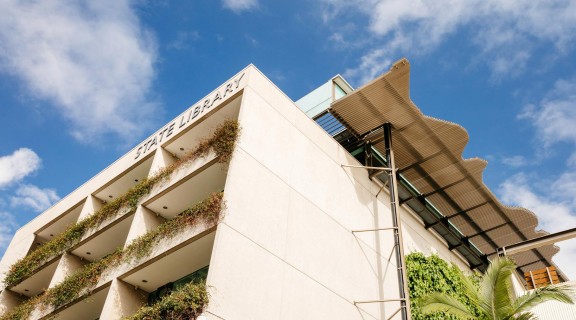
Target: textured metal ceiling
428, 154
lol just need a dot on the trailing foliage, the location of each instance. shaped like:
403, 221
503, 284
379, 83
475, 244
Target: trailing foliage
207, 212
221, 142
186, 303
432, 274
22, 311
79, 282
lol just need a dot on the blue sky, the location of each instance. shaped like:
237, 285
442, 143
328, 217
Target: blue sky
81, 82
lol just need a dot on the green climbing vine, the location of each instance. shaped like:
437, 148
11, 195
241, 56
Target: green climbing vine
221, 142
432, 274
206, 212
186, 303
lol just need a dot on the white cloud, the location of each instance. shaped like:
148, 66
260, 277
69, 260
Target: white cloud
18, 165
7, 229
505, 33
565, 187
92, 59
33, 197
554, 210
240, 5
251, 39
571, 160
183, 40
554, 117
370, 66
515, 161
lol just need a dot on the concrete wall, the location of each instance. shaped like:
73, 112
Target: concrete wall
286, 249
24, 237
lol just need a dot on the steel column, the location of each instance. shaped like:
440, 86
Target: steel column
393, 187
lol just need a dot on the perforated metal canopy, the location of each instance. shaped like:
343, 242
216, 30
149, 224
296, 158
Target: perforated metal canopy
428, 155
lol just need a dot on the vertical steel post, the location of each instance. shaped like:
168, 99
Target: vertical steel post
393, 187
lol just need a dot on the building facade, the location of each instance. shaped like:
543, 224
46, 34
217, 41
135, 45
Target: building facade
304, 231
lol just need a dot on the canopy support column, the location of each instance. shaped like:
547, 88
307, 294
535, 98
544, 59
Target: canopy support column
393, 187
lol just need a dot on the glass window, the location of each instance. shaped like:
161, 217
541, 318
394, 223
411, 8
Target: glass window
197, 276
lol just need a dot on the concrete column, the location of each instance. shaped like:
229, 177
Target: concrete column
162, 159
67, 265
91, 205
16, 251
8, 301
122, 300
144, 221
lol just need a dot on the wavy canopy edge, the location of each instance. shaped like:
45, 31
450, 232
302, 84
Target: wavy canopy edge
429, 154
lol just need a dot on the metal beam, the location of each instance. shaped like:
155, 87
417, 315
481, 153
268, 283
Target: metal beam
366, 167
442, 220
420, 161
461, 243
488, 230
373, 230
445, 187
533, 262
465, 211
538, 242
379, 301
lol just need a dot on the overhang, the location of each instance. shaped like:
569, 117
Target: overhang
435, 176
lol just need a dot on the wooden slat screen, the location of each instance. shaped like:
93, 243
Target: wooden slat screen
541, 278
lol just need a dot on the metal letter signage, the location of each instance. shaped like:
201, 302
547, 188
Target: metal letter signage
194, 112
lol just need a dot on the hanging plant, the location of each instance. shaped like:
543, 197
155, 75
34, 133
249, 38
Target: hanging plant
222, 142
206, 212
186, 303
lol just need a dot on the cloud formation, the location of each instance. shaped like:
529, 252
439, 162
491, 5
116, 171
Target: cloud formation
370, 66
551, 208
91, 59
553, 119
7, 229
555, 115
504, 33
18, 196
555, 210
240, 5
516, 161
33, 197
16, 166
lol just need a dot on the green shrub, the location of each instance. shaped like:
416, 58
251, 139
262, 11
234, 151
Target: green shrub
432, 274
23, 311
207, 212
74, 285
222, 142
186, 303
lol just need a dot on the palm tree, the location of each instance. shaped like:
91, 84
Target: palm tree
494, 296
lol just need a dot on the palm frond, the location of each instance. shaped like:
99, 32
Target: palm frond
560, 292
496, 294
494, 298
442, 302
470, 288
526, 316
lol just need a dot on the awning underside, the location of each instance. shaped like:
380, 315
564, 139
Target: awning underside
428, 155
